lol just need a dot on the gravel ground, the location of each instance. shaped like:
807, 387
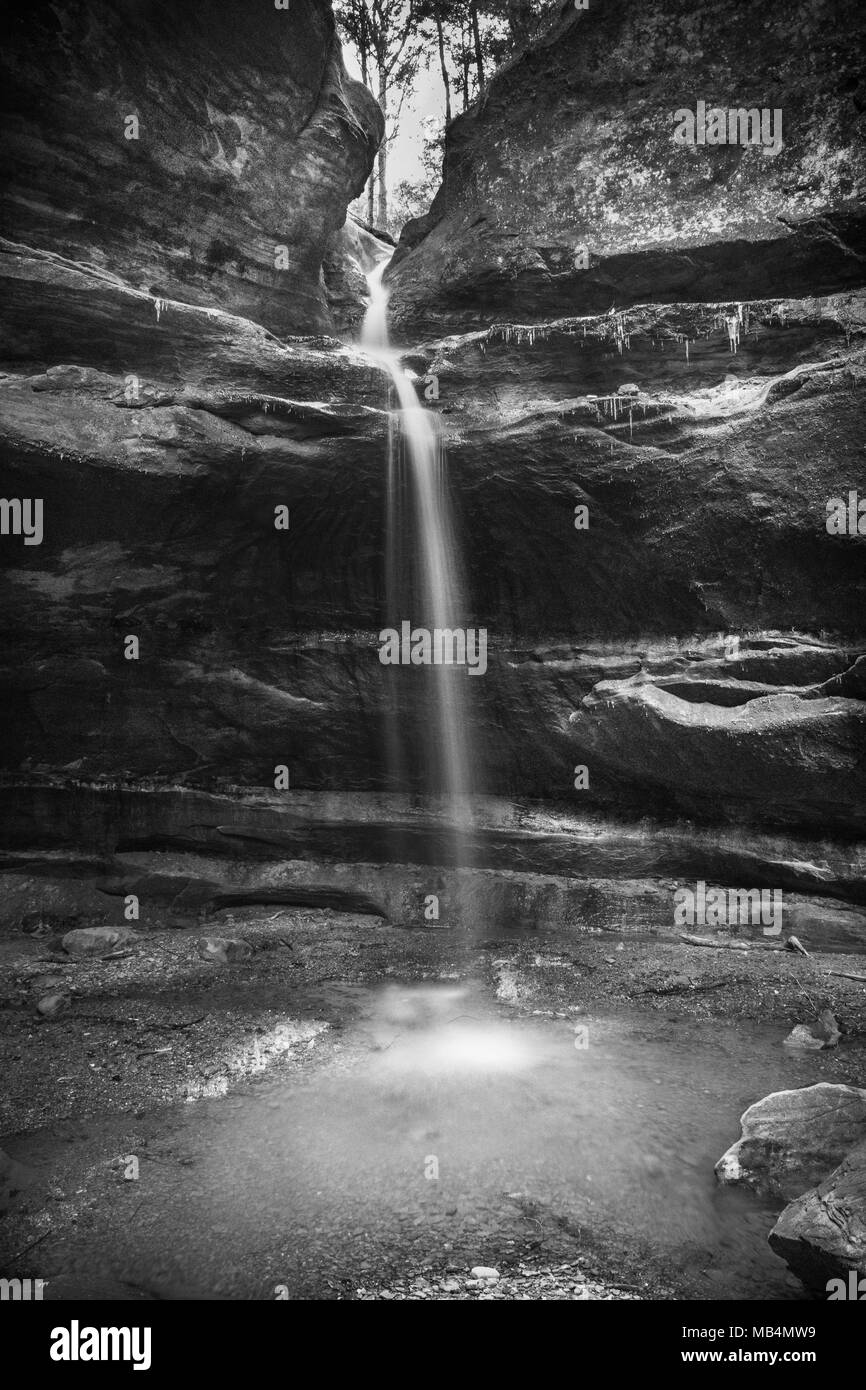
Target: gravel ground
539, 1283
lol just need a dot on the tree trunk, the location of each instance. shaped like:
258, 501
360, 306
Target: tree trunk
445, 79
476, 39
371, 192
383, 153
371, 182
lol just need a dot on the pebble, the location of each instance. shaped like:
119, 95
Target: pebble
52, 1004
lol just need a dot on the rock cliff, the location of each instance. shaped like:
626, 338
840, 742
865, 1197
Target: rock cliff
572, 150
205, 153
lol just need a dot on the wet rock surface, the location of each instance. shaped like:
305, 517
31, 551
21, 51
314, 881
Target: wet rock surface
790, 1141
822, 1235
161, 490
792, 1138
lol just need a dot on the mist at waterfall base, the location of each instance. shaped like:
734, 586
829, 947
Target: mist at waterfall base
424, 585
439, 1132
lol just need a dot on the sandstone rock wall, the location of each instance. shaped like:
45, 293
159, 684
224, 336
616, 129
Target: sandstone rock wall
571, 147
248, 135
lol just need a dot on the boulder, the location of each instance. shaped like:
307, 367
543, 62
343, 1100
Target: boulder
822, 1235
206, 157
571, 149
792, 1140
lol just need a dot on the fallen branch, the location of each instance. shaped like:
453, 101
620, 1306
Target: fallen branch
714, 945
846, 975
732, 945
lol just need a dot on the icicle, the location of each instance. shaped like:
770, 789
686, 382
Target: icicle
159, 305
732, 323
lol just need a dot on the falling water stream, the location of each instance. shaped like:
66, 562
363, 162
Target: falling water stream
423, 583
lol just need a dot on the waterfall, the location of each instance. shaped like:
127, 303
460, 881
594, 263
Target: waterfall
423, 582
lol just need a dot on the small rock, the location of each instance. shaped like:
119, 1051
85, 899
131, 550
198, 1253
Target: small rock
53, 1004
95, 941
484, 1272
224, 950
802, 1036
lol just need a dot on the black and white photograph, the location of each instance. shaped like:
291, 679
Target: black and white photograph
433, 664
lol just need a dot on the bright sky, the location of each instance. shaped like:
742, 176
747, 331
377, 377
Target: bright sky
428, 99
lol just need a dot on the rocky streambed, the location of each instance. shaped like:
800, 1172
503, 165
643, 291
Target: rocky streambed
547, 1107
